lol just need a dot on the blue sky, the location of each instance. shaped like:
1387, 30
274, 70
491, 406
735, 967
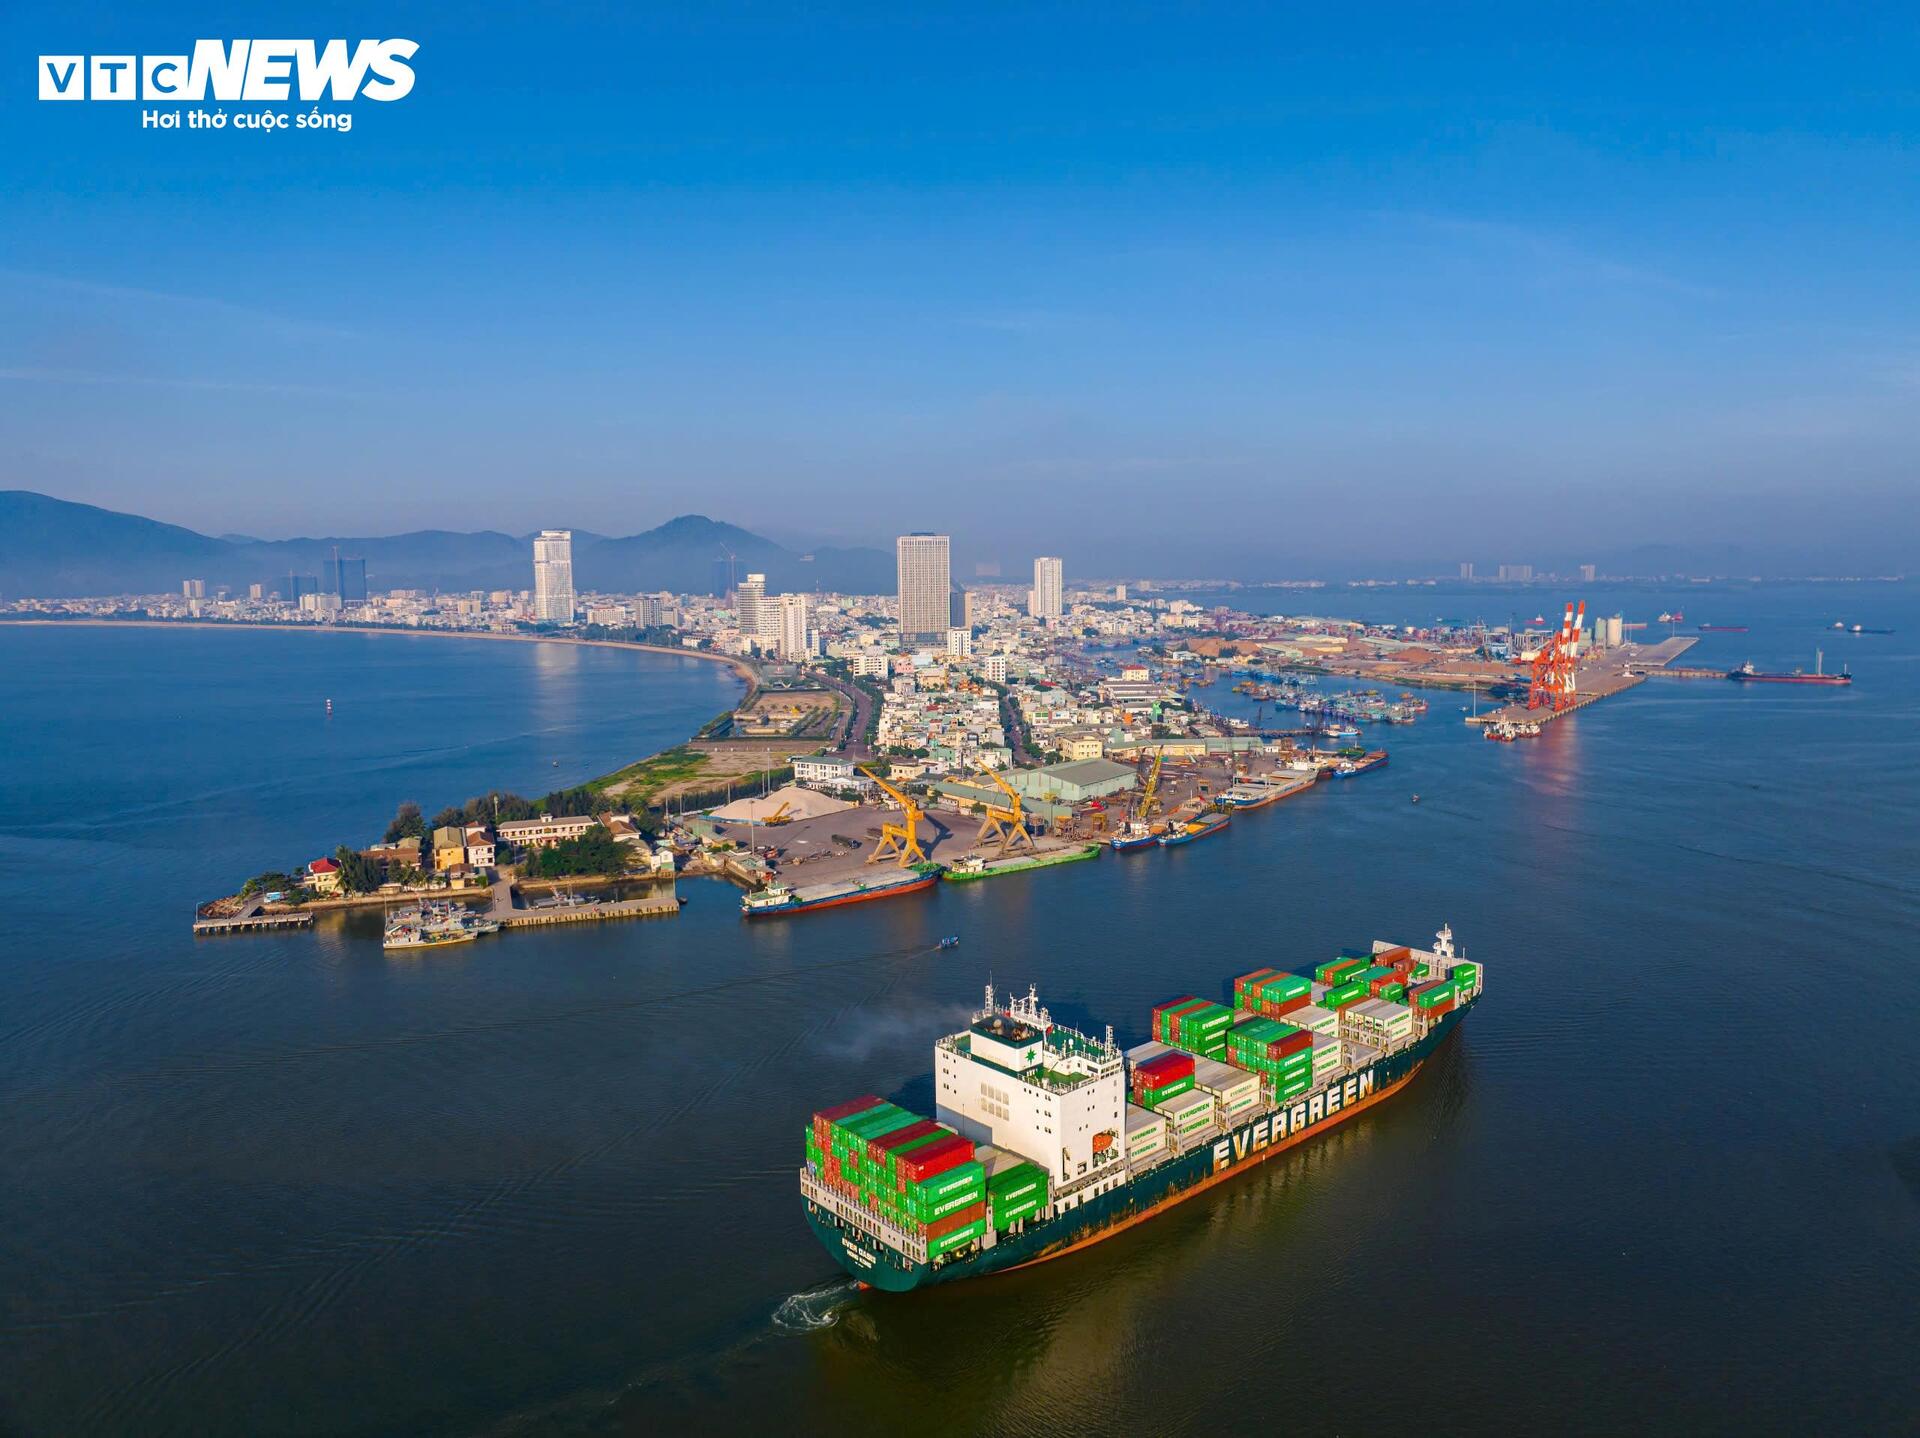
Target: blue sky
1157, 287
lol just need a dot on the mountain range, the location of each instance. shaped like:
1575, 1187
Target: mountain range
55, 549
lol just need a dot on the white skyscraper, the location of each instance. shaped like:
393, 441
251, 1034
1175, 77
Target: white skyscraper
926, 583
749, 601
553, 576
784, 622
960, 643
1047, 589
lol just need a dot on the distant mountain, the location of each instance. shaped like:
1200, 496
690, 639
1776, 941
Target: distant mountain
51, 548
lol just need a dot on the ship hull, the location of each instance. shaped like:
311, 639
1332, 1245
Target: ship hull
1828, 679
858, 896
1239, 1150
1188, 836
1127, 846
1000, 869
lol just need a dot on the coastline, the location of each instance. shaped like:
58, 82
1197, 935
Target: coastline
738, 665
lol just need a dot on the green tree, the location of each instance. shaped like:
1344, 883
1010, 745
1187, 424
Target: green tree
594, 852
407, 824
450, 818
358, 873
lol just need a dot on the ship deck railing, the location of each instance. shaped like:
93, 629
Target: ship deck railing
909, 1245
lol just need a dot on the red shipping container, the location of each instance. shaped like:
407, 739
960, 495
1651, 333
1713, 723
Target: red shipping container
1393, 958
1386, 981
846, 1110
1158, 1009
1165, 1068
1292, 1044
941, 1227
923, 1163
878, 1148
1283, 1007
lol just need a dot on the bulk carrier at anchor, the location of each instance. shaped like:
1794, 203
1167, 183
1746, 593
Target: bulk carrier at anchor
1048, 1140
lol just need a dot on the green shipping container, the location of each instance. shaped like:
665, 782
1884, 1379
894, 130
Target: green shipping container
1005, 1218
959, 1238
1346, 994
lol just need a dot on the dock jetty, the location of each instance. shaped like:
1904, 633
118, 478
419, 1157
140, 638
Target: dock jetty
1622, 669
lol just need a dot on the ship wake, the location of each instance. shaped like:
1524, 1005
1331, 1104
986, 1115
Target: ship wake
814, 1309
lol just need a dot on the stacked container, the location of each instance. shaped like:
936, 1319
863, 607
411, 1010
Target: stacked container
1280, 1053
1337, 971
1316, 1019
1348, 993
1326, 1058
1189, 1113
1430, 1001
1235, 1090
1147, 1134
1195, 1025
1015, 1192
915, 1173
1270, 992
1377, 1022
1162, 1076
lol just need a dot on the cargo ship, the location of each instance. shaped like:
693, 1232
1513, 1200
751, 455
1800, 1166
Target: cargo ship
1723, 629
1747, 674
779, 898
1258, 792
972, 866
1047, 1140
1204, 827
1135, 836
1347, 768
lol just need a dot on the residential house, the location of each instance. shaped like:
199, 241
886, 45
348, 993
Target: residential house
323, 876
544, 832
479, 847
449, 847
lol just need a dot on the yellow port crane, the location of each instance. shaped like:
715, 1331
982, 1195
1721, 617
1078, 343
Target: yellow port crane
1009, 824
1150, 791
903, 838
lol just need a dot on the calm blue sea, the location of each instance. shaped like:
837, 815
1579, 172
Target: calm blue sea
1668, 1179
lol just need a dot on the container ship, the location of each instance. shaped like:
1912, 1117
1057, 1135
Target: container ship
1046, 1139
1747, 674
972, 866
779, 899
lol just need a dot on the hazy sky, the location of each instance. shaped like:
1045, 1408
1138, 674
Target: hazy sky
1205, 282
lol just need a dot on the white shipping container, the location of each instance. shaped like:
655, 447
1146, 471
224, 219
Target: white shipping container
1224, 1081
1315, 1019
